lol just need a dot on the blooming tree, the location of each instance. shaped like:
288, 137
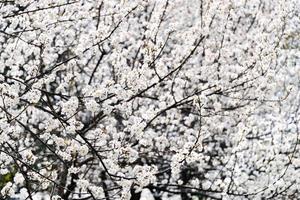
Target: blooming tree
193, 99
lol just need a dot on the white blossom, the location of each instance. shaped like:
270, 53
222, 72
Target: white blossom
110, 99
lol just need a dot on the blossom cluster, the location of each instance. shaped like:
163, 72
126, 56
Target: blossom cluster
109, 99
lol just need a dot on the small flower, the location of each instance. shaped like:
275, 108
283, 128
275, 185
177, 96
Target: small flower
7, 190
56, 197
83, 150
82, 184
18, 179
28, 156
